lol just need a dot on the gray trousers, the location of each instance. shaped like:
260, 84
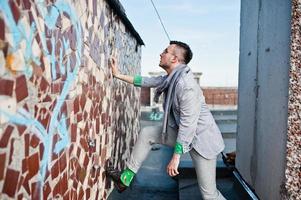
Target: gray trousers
205, 169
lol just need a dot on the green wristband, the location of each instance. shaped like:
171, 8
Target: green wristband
137, 80
178, 148
127, 176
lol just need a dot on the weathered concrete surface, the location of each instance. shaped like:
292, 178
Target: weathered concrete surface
263, 94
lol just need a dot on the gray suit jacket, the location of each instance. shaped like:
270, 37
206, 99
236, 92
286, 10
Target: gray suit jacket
191, 116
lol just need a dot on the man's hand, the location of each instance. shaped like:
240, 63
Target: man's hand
172, 167
116, 73
113, 64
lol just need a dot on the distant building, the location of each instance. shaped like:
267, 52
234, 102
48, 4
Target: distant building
215, 96
220, 96
147, 94
197, 75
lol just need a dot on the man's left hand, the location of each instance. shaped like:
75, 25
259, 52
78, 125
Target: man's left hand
172, 167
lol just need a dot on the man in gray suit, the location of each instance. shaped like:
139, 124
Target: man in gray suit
188, 125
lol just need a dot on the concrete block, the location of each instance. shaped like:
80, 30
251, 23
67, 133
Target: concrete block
88, 105
65, 23
2, 64
36, 51
8, 105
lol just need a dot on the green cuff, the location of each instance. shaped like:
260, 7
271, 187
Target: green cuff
137, 80
127, 176
178, 148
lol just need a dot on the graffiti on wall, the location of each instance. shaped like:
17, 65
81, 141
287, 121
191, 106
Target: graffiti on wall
56, 98
22, 117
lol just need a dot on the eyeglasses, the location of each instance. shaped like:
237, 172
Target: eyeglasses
166, 52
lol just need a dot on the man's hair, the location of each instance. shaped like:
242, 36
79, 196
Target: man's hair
187, 51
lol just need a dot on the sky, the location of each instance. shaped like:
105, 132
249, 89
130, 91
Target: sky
210, 27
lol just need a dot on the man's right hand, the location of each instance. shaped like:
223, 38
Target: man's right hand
116, 73
113, 64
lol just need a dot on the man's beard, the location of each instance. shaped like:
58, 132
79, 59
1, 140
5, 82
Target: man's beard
162, 66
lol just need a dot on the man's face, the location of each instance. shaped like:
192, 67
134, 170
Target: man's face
167, 57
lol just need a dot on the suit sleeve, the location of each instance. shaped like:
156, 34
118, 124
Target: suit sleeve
143, 81
189, 107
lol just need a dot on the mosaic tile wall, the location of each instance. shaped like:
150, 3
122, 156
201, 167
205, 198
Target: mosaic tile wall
61, 113
293, 168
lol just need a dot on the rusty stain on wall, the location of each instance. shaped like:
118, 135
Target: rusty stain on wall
61, 113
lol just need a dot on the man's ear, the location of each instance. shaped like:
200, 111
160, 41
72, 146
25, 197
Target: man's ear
175, 59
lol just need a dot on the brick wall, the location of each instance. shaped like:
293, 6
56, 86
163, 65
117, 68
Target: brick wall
145, 96
61, 113
213, 96
220, 95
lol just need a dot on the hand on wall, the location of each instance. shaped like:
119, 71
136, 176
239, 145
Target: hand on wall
113, 64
